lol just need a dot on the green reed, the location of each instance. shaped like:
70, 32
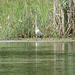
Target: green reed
18, 18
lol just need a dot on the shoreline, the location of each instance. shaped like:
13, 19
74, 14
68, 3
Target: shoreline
40, 40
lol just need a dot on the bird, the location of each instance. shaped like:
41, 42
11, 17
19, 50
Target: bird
37, 31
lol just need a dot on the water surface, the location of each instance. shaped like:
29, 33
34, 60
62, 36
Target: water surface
37, 58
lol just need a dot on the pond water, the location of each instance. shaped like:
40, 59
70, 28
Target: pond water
37, 58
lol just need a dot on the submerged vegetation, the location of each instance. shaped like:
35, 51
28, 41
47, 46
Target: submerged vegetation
17, 19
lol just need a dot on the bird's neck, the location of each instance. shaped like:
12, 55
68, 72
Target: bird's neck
36, 22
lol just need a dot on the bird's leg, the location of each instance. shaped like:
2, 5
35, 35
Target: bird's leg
41, 37
36, 37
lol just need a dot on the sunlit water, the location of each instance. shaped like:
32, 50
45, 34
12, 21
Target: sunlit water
37, 58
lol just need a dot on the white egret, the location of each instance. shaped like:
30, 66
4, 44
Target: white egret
37, 31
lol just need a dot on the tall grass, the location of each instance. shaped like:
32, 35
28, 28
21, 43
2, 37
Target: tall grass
21, 22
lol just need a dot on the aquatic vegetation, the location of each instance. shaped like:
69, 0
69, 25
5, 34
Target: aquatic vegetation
17, 19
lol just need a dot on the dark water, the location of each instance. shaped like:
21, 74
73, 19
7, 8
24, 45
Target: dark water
37, 58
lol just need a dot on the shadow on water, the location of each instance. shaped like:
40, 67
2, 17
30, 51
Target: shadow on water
37, 58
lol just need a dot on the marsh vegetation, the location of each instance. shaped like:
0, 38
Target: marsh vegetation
55, 18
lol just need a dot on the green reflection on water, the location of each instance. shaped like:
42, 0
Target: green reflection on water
37, 58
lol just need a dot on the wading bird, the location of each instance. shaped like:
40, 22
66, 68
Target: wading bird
37, 31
